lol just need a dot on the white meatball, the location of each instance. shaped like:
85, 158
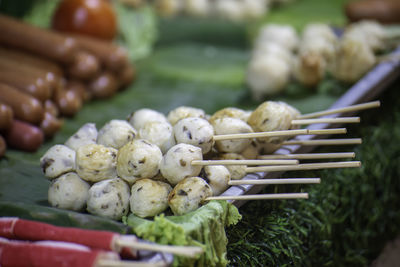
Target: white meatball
57, 160
230, 10
267, 75
176, 163
139, 117
188, 195
69, 192
116, 133
275, 49
138, 159
284, 35
86, 135
309, 68
96, 162
217, 177
199, 8
231, 112
109, 199
370, 32
319, 30
253, 9
231, 126
149, 198
251, 151
183, 112
237, 171
195, 131
158, 133
271, 116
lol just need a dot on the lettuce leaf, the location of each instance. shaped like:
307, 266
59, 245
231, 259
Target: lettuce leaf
204, 227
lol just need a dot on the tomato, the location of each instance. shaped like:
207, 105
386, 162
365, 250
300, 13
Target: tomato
91, 17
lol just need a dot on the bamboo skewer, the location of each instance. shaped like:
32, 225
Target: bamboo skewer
118, 263
245, 162
260, 134
306, 166
276, 181
310, 156
368, 105
326, 120
349, 141
328, 131
261, 196
188, 251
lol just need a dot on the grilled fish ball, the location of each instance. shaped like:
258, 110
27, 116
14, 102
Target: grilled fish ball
251, 151
195, 131
271, 116
284, 35
188, 195
217, 177
237, 171
231, 112
158, 133
149, 198
183, 112
96, 162
59, 159
69, 192
176, 163
140, 117
138, 159
87, 134
116, 133
109, 198
231, 126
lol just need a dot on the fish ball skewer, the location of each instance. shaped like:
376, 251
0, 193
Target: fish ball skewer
217, 177
57, 160
183, 112
158, 133
86, 135
139, 117
116, 133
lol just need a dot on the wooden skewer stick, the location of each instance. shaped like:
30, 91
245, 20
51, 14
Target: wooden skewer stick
310, 156
328, 131
245, 162
260, 196
326, 120
349, 141
259, 134
306, 166
118, 263
373, 104
188, 251
276, 181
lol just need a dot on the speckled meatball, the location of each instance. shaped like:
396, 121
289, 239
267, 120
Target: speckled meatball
183, 112
139, 117
109, 198
270, 116
96, 162
158, 133
57, 160
149, 198
116, 133
217, 177
237, 171
195, 131
230, 112
176, 163
188, 195
229, 125
69, 192
138, 159
86, 135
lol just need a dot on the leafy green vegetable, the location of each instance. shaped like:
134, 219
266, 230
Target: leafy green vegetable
204, 227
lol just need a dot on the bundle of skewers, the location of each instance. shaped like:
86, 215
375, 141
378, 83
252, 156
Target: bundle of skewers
31, 243
151, 162
46, 75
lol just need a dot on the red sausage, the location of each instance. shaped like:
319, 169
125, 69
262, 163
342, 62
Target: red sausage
24, 136
51, 107
79, 88
49, 44
85, 66
6, 116
3, 146
103, 86
50, 125
25, 107
68, 102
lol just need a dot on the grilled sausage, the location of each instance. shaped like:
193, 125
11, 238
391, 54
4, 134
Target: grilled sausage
6, 116
126, 76
50, 125
103, 86
79, 88
68, 102
51, 107
3, 146
85, 66
25, 107
387, 11
24, 136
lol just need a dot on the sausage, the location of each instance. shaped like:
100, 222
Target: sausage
49, 44
51, 107
85, 66
34, 86
68, 102
387, 11
126, 76
32, 60
3, 146
50, 125
79, 88
112, 56
24, 136
6, 116
25, 107
103, 86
